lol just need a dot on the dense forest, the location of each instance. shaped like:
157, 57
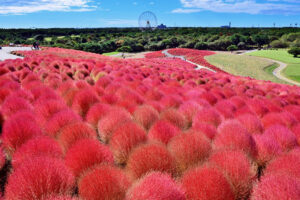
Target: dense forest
101, 40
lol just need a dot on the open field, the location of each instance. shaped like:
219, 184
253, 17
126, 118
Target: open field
243, 65
292, 70
79, 125
111, 53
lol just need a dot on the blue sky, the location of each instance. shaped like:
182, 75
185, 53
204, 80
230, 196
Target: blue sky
124, 13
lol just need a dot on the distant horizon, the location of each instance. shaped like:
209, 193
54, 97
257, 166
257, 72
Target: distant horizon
173, 13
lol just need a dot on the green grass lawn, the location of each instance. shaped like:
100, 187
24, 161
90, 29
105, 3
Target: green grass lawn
292, 71
110, 53
48, 39
243, 65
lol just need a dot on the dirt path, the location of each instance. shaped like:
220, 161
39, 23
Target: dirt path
183, 58
5, 52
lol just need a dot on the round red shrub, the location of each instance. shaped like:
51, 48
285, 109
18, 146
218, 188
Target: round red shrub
206, 183
17, 130
96, 113
257, 106
267, 149
283, 118
71, 133
146, 115
12, 105
60, 120
284, 137
157, 186
188, 149
226, 108
237, 167
251, 123
150, 157
85, 154
296, 131
60, 197
288, 164
124, 139
207, 129
103, 182
37, 147
294, 110
174, 117
163, 131
108, 124
83, 100
232, 135
276, 186
39, 177
2, 158
189, 110
208, 115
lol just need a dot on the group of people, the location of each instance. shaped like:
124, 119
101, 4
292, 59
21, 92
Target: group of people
36, 46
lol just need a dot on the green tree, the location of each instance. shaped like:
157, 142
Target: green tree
232, 48
295, 51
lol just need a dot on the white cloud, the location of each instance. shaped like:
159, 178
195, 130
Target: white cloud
31, 6
240, 6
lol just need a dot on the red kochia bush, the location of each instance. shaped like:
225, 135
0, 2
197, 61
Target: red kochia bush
17, 130
283, 136
39, 177
59, 120
163, 131
174, 117
85, 154
251, 123
157, 186
276, 186
2, 158
83, 100
115, 118
206, 183
12, 105
70, 134
103, 182
207, 129
37, 147
124, 139
188, 149
237, 167
232, 135
283, 118
96, 113
208, 115
146, 116
288, 164
189, 110
150, 157
59, 197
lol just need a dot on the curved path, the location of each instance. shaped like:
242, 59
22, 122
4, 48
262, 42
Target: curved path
183, 58
5, 52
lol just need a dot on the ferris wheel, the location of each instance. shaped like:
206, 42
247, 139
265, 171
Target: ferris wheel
147, 21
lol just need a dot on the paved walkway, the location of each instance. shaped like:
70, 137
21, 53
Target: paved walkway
5, 52
183, 58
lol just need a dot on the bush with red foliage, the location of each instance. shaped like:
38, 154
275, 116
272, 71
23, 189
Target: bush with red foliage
163, 131
72, 133
287, 164
13, 104
83, 101
124, 139
296, 131
251, 123
276, 186
60, 120
176, 118
145, 115
294, 110
157, 186
59, 197
18, 129
267, 149
96, 113
283, 118
110, 122
232, 135
237, 167
39, 177
205, 128
189, 149
283, 136
189, 110
208, 115
226, 108
37, 147
86, 154
207, 183
150, 157
2, 158
155, 54
104, 182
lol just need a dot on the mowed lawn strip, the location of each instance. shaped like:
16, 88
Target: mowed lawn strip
111, 53
244, 65
292, 71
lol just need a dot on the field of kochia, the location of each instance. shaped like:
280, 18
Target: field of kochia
83, 126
